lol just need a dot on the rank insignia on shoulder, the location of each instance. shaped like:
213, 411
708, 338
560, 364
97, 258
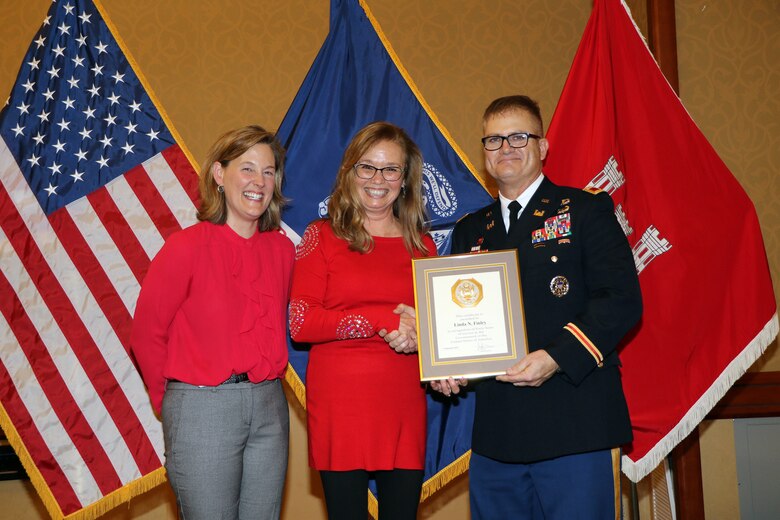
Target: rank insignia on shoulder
592, 190
554, 227
538, 213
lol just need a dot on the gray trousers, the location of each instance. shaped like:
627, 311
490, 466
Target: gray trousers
226, 449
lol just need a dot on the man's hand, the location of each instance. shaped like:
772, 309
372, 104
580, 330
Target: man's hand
533, 370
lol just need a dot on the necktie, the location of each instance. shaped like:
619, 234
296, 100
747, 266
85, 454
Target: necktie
514, 211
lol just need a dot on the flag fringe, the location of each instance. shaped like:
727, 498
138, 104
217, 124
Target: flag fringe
93, 510
636, 471
36, 479
373, 506
145, 84
296, 385
120, 496
408, 78
454, 469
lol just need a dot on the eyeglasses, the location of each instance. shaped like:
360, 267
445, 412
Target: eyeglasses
367, 171
518, 140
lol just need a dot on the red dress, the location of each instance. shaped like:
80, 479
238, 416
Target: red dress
366, 406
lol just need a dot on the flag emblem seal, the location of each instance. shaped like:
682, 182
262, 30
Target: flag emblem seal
439, 195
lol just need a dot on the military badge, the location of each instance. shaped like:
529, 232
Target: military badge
538, 213
559, 286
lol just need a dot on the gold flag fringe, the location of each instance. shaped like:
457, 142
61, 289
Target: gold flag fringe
49, 502
297, 386
373, 506
93, 510
455, 468
120, 496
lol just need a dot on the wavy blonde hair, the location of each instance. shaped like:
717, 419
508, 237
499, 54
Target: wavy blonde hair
345, 209
232, 145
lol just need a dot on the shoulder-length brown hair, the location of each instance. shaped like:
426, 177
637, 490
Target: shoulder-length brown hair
345, 210
230, 146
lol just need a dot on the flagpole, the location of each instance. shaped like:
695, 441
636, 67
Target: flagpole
686, 456
663, 38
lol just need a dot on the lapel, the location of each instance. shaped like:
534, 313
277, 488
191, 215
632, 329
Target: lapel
495, 232
542, 206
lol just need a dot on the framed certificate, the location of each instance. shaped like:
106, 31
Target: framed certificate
470, 320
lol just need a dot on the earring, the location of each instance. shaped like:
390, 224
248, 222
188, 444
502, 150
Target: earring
220, 188
403, 190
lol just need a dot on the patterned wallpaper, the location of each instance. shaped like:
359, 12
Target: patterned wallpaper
729, 56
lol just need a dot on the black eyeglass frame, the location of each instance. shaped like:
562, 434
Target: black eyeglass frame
380, 170
507, 138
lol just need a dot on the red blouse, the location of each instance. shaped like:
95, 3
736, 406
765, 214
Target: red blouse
213, 304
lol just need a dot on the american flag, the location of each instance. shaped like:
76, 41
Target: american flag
92, 182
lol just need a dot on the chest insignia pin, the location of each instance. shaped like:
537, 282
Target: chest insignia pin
559, 286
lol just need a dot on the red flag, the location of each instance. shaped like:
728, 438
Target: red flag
92, 181
709, 305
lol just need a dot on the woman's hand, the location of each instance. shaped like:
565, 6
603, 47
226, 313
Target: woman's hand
404, 338
449, 386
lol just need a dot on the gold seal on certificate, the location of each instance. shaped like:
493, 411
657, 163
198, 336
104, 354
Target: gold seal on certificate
470, 319
467, 293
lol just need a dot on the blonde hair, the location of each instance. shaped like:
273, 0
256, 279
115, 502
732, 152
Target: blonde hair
230, 146
345, 210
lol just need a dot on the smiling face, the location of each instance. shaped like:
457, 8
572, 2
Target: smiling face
248, 181
376, 194
514, 169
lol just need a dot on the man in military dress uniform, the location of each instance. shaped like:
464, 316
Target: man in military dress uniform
546, 434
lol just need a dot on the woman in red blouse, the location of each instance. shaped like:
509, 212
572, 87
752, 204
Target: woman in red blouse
209, 336
352, 300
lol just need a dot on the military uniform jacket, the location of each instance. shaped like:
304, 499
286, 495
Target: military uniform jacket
581, 296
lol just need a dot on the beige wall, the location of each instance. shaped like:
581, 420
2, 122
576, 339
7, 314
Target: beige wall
215, 65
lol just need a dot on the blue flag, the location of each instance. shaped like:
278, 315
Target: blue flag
357, 79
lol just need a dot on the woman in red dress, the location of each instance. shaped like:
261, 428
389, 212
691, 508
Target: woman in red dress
352, 300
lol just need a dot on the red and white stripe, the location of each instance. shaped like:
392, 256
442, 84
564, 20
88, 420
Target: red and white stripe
68, 287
